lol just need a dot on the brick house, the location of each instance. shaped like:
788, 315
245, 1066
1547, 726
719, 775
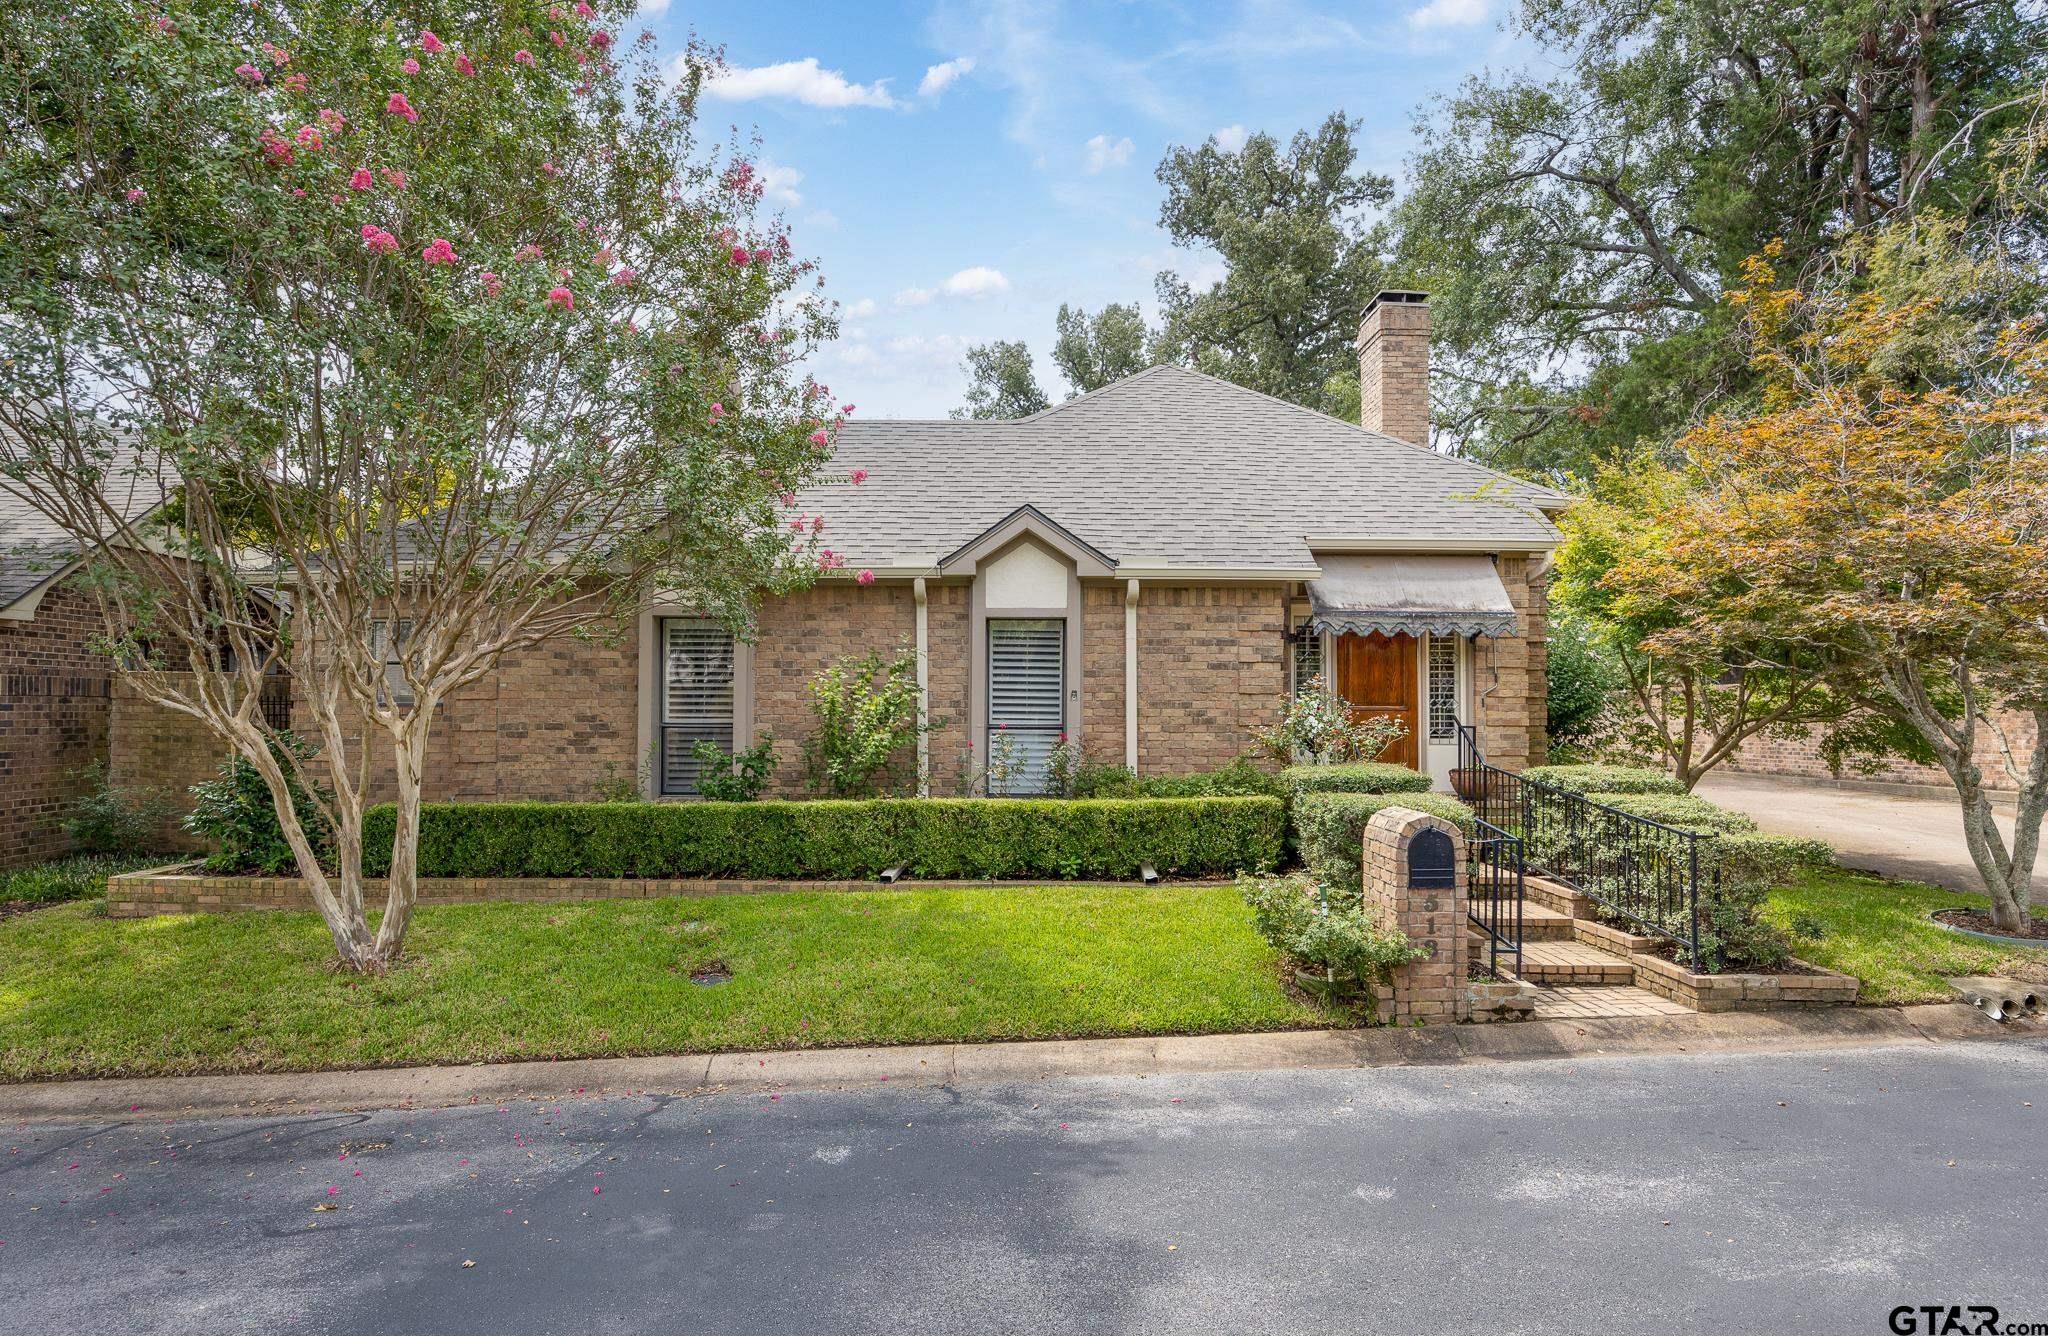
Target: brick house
56, 692
1149, 569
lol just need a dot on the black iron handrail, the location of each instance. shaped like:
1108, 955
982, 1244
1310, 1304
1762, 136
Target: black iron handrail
1641, 871
1493, 893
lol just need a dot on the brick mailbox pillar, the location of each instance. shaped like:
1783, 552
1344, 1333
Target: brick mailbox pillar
1415, 881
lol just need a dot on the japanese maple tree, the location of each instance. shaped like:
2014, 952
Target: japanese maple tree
1885, 505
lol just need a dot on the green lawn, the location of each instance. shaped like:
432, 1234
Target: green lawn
1879, 931
83, 995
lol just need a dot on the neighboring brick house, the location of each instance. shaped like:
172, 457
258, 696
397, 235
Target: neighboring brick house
56, 692
1147, 569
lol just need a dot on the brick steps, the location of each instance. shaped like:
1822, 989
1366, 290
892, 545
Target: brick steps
1573, 963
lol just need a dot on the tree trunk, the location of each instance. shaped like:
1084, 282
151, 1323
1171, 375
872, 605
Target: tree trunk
402, 885
2004, 880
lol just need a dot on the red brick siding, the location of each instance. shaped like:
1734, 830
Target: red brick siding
808, 632
54, 709
1508, 680
150, 747
949, 616
1800, 756
1102, 674
1212, 665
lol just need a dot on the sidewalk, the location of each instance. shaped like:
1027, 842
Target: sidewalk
122, 1099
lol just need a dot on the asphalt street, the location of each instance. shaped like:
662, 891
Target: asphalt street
1807, 1192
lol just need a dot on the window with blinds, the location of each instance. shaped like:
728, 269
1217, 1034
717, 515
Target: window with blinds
1027, 695
696, 697
387, 643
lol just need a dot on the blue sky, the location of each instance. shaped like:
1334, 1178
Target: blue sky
961, 167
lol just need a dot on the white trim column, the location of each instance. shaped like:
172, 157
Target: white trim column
920, 596
1131, 676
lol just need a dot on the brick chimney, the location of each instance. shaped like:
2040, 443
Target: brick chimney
1393, 366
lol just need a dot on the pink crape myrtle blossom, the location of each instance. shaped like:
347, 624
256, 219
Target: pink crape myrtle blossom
308, 136
276, 148
396, 105
378, 240
739, 254
556, 37
135, 194
428, 42
527, 252
857, 477
600, 39
549, 169
463, 65
583, 10
846, 409
332, 119
866, 577
717, 412
492, 283
624, 278
278, 55
393, 178
819, 439
409, 65
438, 251
761, 255
294, 83
249, 73
360, 179
522, 57
817, 524
562, 298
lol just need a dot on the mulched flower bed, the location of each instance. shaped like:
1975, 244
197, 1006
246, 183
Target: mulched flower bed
1977, 920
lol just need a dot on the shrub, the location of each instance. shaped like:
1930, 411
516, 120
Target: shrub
1604, 779
1319, 726
77, 878
867, 711
734, 777
235, 812
1581, 677
1355, 953
1329, 829
937, 837
109, 820
1686, 811
1359, 777
1241, 778
1103, 781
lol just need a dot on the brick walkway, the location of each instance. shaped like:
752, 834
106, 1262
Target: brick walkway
1584, 1004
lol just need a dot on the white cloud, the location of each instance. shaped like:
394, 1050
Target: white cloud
938, 78
648, 9
860, 310
980, 281
1450, 14
779, 183
824, 219
798, 81
970, 284
1102, 153
1231, 138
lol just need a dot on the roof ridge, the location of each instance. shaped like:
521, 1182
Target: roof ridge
1120, 381
1364, 431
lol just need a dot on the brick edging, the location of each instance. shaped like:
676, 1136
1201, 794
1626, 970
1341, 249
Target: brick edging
1744, 992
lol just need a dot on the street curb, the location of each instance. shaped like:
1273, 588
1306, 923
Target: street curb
985, 1064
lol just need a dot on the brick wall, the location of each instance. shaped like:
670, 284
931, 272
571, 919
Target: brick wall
1102, 673
949, 619
1509, 690
1800, 756
152, 748
808, 632
54, 709
1212, 665
1393, 371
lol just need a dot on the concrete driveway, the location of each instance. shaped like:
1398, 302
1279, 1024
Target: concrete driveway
1919, 839
1797, 1192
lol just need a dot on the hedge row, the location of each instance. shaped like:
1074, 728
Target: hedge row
1604, 779
936, 837
1329, 829
1361, 777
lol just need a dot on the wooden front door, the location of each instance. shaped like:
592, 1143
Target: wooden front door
1376, 674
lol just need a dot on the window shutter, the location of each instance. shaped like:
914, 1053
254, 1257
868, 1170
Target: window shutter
1027, 689
696, 697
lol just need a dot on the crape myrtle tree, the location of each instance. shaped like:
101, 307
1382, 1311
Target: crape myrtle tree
1885, 502
430, 316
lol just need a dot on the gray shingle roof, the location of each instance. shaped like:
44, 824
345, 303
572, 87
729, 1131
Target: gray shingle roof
1168, 467
34, 551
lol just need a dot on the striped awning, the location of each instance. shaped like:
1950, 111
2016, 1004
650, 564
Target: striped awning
1410, 594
